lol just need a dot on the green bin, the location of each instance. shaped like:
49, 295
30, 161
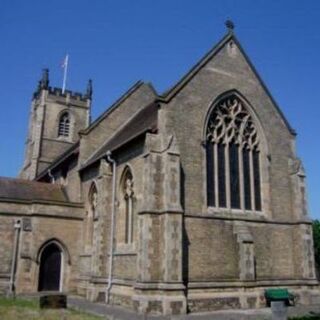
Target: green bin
279, 294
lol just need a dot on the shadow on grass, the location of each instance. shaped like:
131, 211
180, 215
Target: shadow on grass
309, 317
28, 309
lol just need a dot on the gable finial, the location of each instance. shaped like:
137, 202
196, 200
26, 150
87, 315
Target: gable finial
230, 25
89, 89
44, 82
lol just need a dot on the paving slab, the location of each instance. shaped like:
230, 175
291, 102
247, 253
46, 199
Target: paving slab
118, 313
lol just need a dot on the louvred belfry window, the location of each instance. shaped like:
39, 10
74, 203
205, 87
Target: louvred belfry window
64, 125
233, 157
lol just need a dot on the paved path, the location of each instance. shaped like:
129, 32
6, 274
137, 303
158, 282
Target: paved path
117, 313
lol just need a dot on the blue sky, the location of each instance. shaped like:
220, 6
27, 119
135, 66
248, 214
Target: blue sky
119, 42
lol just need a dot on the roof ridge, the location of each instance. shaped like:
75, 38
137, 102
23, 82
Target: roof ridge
167, 96
124, 124
27, 181
264, 86
113, 106
170, 93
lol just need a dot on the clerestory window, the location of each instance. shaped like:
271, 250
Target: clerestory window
233, 157
64, 125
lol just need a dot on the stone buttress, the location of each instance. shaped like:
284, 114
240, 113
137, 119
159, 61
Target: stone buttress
159, 288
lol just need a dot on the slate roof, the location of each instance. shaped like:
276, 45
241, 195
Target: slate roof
27, 190
116, 104
143, 121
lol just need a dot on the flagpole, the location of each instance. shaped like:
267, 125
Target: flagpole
65, 70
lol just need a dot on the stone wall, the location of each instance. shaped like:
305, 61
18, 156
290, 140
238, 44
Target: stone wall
38, 226
212, 252
6, 250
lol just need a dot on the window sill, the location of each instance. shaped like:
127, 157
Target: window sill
234, 213
64, 139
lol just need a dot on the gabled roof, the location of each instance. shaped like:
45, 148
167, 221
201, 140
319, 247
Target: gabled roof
125, 96
145, 120
73, 150
171, 93
27, 190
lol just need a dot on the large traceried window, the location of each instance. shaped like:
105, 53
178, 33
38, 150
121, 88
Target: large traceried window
64, 125
233, 157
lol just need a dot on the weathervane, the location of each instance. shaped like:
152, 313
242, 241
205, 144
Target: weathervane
230, 25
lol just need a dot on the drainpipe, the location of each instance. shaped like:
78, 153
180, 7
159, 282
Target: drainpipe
113, 162
17, 228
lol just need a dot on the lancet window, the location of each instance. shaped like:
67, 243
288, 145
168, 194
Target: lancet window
128, 194
93, 199
92, 214
233, 157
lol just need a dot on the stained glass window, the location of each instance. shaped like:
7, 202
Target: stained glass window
233, 157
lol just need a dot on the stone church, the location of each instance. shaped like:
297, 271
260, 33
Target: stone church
192, 200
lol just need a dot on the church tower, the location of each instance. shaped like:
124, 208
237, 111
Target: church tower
56, 117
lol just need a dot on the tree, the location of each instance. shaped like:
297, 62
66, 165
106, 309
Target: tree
316, 243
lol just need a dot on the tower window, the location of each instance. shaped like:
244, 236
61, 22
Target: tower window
233, 157
64, 125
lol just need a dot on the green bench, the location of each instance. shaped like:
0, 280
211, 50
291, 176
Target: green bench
279, 295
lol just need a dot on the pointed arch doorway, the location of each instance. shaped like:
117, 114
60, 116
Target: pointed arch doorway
50, 273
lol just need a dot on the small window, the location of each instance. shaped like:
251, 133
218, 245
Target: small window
93, 198
64, 125
91, 217
127, 207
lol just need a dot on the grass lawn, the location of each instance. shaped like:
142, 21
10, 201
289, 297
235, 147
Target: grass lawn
20, 309
306, 318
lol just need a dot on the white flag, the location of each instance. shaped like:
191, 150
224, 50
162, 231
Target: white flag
64, 62
64, 66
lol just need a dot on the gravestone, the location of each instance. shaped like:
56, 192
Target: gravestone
53, 301
279, 310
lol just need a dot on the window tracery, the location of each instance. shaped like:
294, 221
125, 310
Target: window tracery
233, 157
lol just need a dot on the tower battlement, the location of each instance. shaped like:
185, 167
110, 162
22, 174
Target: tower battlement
72, 94
58, 92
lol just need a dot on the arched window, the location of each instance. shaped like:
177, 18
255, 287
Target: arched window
233, 157
64, 125
93, 200
91, 215
127, 195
